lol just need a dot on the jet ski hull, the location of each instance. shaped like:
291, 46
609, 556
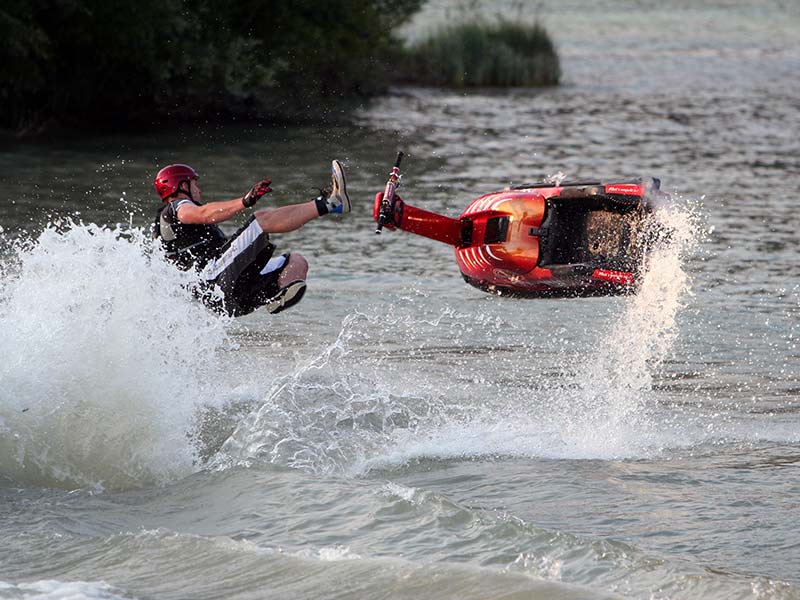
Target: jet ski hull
544, 240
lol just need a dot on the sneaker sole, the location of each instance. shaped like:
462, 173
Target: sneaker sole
287, 297
337, 169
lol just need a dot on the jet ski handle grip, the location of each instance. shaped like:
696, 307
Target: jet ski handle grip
388, 203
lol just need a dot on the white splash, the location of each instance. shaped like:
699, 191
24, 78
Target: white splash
105, 356
609, 416
341, 413
555, 178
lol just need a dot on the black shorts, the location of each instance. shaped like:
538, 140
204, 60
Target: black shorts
245, 271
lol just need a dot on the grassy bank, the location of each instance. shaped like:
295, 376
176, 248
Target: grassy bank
116, 64
481, 53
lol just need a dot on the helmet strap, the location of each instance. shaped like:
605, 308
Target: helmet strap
188, 190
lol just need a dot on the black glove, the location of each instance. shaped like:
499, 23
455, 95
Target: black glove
258, 190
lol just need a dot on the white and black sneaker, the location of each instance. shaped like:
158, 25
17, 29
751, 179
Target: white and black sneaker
286, 297
338, 201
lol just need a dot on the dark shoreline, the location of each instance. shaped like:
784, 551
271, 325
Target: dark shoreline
65, 74
340, 113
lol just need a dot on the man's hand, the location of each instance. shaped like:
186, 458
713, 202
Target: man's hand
258, 190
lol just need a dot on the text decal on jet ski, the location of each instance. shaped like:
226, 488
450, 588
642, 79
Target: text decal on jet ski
626, 189
621, 277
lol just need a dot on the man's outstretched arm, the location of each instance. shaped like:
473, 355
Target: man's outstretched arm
216, 212
211, 213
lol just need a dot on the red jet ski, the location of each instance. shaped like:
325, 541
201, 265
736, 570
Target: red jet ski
587, 238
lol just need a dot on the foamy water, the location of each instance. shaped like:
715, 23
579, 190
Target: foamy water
337, 413
107, 357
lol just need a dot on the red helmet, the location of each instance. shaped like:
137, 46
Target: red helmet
169, 179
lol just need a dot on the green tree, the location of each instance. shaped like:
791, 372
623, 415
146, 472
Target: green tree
110, 62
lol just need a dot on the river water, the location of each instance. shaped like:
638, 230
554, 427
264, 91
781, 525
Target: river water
400, 434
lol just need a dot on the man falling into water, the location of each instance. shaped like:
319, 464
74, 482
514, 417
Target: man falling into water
242, 266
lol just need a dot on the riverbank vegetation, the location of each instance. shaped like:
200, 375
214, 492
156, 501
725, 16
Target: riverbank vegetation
112, 62
481, 53
114, 65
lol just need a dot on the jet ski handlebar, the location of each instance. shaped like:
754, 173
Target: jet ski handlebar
387, 205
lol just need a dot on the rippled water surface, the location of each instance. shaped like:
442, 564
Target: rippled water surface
400, 434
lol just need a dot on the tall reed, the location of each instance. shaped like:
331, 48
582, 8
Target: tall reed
480, 53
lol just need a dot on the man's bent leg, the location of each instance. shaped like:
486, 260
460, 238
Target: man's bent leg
291, 283
278, 285
296, 269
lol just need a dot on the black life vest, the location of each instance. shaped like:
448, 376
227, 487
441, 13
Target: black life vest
187, 245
